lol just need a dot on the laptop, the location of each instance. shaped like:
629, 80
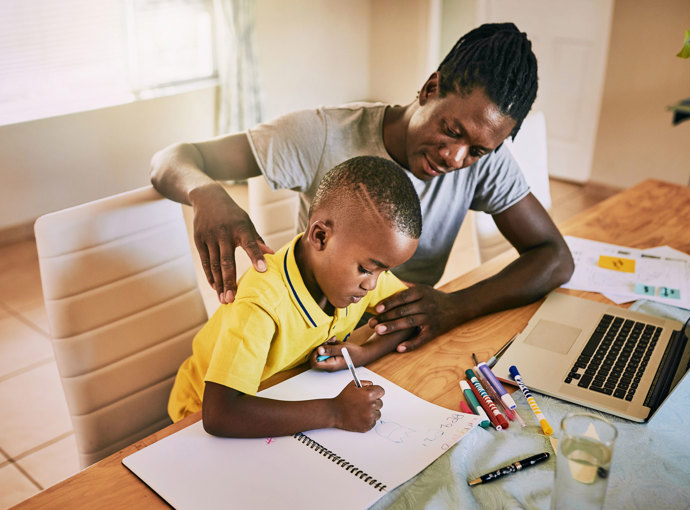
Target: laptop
599, 356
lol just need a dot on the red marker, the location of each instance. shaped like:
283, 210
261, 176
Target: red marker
485, 406
493, 410
465, 408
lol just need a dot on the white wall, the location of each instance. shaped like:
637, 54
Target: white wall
50, 164
400, 40
636, 139
312, 52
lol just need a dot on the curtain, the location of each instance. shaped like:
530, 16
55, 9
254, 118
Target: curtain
240, 91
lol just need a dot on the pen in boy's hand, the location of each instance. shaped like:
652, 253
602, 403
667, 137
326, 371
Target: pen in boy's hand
351, 366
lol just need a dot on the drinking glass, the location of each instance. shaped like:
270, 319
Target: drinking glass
585, 448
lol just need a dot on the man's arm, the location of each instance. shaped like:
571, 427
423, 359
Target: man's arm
189, 174
229, 413
544, 263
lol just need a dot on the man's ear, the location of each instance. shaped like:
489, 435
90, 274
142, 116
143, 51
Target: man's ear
319, 234
430, 88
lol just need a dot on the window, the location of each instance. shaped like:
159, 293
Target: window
59, 57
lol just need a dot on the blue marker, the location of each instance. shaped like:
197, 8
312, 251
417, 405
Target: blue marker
325, 357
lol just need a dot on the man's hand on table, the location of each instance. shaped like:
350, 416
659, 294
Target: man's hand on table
431, 311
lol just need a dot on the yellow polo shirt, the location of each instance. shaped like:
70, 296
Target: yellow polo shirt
273, 325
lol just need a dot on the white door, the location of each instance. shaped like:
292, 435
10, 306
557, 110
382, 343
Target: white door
570, 39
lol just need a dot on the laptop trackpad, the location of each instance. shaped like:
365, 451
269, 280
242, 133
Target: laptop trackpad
553, 336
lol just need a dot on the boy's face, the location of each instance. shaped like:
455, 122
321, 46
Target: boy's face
355, 254
452, 132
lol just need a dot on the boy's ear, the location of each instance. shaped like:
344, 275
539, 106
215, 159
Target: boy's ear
430, 88
318, 235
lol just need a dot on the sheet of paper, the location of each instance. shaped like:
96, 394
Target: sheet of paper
192, 469
627, 274
410, 435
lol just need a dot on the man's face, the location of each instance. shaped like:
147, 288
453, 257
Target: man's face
454, 131
356, 255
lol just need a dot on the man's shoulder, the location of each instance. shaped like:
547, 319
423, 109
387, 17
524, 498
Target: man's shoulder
349, 111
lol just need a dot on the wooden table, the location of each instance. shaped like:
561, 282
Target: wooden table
653, 213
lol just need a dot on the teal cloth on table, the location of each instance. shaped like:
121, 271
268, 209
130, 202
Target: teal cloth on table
650, 466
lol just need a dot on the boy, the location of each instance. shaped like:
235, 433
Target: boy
364, 220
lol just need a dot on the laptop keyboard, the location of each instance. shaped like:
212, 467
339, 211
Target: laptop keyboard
615, 357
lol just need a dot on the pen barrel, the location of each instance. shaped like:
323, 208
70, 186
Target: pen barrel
506, 470
545, 425
493, 410
484, 405
497, 386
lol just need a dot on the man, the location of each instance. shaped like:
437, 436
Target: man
449, 140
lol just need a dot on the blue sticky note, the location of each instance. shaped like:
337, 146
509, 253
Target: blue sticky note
669, 293
645, 290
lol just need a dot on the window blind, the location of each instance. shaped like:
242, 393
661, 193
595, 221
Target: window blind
59, 57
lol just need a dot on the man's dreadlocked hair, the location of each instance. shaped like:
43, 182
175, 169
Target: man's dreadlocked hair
499, 58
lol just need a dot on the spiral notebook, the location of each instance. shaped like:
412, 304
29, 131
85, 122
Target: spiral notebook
315, 469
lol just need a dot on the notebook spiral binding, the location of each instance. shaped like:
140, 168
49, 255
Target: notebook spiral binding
334, 457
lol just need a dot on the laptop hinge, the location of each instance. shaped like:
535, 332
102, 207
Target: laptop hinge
667, 369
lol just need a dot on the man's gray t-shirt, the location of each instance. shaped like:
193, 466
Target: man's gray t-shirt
296, 150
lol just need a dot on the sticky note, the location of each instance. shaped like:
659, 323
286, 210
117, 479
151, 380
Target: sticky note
645, 290
669, 293
617, 263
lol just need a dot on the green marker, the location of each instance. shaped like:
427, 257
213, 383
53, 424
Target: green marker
474, 404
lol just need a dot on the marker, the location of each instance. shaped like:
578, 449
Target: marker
492, 407
324, 357
511, 468
474, 404
466, 409
351, 366
493, 395
548, 430
511, 414
485, 408
496, 385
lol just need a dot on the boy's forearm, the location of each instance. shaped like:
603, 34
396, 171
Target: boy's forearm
380, 345
250, 416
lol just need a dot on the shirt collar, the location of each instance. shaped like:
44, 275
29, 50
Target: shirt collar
302, 299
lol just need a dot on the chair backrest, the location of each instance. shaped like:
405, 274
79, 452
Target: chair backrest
123, 305
529, 150
274, 213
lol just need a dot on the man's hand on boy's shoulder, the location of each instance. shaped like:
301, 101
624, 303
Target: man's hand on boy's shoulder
431, 311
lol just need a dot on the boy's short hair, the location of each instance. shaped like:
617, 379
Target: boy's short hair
384, 186
499, 58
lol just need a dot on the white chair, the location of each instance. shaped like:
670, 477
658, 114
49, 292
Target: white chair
123, 305
529, 150
274, 213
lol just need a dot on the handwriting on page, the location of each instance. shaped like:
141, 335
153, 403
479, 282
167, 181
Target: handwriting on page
447, 433
393, 431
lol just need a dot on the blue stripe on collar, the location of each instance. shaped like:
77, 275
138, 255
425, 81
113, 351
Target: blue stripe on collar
287, 275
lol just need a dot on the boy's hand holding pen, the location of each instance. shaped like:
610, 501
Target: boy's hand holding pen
358, 406
357, 409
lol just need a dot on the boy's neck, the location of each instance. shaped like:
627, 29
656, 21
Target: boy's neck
303, 262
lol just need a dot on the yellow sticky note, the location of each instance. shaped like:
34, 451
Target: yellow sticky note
617, 263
